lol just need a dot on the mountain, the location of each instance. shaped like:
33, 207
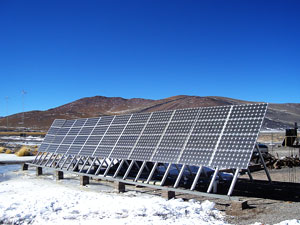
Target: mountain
278, 115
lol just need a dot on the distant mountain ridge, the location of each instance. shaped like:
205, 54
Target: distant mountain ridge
278, 115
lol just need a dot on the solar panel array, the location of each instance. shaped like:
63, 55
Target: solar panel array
221, 137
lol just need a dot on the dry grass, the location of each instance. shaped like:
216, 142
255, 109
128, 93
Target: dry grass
24, 151
2, 150
8, 151
16, 133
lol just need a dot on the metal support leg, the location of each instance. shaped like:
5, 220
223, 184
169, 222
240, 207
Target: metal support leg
177, 168
85, 162
40, 156
152, 172
196, 178
36, 157
166, 174
52, 162
137, 165
249, 174
77, 163
189, 169
128, 170
49, 159
140, 171
71, 162
119, 168
126, 163
42, 159
99, 168
179, 176
108, 168
105, 163
213, 180
146, 167
64, 162
61, 158
264, 164
92, 164
236, 174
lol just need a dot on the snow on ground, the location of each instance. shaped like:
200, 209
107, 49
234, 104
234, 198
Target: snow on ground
27, 199
28, 138
12, 158
17, 140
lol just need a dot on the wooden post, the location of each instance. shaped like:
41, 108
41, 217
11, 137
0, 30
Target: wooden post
24, 166
168, 194
59, 175
84, 180
238, 205
39, 171
119, 186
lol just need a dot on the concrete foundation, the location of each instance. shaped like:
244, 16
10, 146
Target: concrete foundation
119, 186
168, 194
84, 180
59, 175
39, 171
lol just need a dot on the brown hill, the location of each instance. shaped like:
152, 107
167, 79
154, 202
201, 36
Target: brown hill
278, 115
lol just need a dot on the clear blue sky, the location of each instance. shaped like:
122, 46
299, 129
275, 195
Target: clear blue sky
60, 51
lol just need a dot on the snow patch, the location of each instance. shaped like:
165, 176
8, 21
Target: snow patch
30, 200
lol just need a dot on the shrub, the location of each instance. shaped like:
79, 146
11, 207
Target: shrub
8, 151
23, 151
2, 150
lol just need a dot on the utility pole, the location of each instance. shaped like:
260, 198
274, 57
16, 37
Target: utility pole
23, 116
6, 100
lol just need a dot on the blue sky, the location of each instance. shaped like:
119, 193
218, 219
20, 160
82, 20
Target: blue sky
60, 51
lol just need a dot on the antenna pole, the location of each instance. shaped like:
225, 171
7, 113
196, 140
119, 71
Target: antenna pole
23, 114
6, 100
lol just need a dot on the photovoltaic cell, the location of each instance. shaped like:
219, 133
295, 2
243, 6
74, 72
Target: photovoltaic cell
99, 130
123, 119
91, 122
63, 131
121, 152
154, 128
87, 150
163, 116
86, 131
221, 137
115, 130
105, 121
68, 140
166, 154
140, 118
58, 123
94, 140
69, 123
62, 149
132, 129
103, 151
142, 153
185, 114
180, 127
79, 123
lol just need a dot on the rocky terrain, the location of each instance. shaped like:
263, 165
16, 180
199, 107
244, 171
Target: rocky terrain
278, 115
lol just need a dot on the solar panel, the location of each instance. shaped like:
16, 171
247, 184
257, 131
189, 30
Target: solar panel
221, 137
